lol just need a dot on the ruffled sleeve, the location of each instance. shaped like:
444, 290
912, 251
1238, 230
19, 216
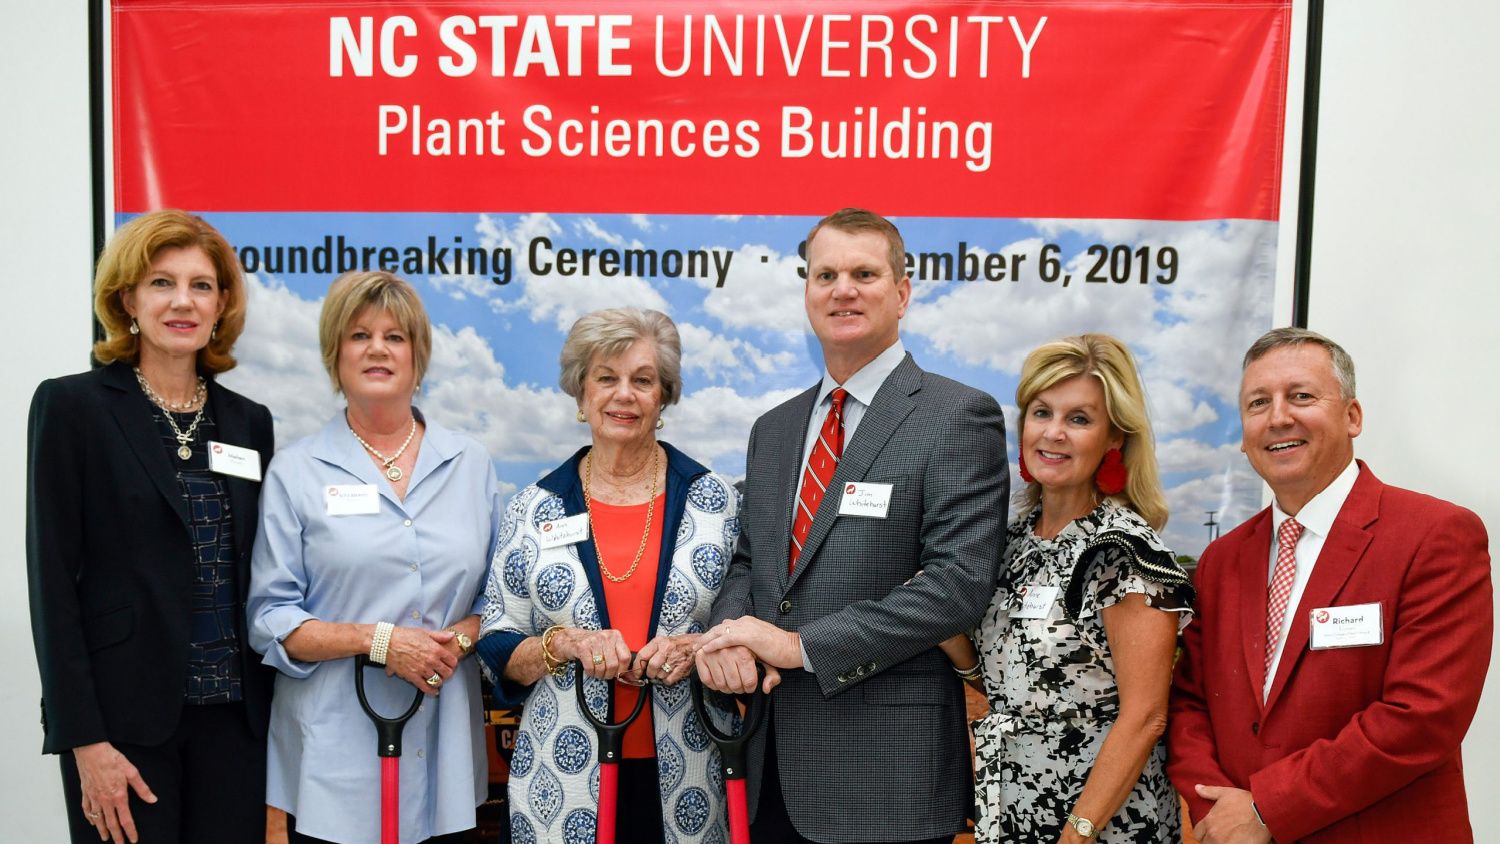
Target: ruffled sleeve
1115, 564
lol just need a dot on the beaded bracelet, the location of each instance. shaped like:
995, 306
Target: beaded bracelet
554, 665
380, 643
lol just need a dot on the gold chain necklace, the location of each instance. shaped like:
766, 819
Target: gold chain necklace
392, 471
588, 503
184, 451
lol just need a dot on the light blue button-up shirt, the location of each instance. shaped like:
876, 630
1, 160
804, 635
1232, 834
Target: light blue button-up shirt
422, 563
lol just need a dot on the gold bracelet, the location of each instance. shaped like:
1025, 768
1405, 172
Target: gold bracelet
554, 665
974, 673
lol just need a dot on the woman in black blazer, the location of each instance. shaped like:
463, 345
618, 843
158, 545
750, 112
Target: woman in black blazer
142, 486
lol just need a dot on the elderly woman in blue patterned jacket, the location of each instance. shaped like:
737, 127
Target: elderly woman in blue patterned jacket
619, 551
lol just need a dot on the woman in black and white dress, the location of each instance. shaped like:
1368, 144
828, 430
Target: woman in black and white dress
1076, 648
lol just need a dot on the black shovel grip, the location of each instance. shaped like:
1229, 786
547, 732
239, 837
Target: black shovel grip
611, 736
387, 730
732, 746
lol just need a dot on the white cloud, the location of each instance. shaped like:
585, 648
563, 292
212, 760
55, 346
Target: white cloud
1174, 409
712, 425
1182, 454
761, 292
642, 222
727, 358
280, 364
594, 230
555, 298
1233, 493
728, 218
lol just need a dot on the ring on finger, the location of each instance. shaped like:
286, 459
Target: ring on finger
598, 659
435, 680
93, 816
666, 668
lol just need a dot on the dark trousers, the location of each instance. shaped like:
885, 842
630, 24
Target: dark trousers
209, 779
771, 821
639, 818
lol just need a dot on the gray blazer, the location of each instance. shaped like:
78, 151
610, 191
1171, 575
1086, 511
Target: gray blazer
873, 746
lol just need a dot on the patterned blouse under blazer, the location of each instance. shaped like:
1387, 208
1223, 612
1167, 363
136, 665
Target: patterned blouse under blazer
554, 779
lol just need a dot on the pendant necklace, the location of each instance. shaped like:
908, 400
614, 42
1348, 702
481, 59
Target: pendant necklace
392, 471
169, 409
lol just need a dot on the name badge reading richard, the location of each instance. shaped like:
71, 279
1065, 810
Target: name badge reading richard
234, 460
868, 500
565, 531
351, 499
1353, 626
1036, 602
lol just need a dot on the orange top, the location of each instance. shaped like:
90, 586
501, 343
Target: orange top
617, 534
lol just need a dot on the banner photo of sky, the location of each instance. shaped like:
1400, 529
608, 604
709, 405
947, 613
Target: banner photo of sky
503, 289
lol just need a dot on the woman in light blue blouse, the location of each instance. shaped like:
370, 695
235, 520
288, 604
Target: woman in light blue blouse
375, 536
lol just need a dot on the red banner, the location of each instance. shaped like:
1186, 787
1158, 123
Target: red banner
1159, 111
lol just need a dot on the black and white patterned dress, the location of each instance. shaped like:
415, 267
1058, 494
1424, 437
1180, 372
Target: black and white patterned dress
1051, 682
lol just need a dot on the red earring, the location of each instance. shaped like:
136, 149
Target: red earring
1112, 476
1021, 467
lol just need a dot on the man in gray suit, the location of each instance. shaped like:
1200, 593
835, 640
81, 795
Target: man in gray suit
866, 740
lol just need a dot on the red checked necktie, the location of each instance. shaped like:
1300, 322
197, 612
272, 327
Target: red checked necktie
1281, 586
821, 462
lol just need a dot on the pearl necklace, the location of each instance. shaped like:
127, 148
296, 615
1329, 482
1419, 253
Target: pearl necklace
184, 451
392, 471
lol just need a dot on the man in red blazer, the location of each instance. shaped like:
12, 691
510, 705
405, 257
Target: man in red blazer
1369, 609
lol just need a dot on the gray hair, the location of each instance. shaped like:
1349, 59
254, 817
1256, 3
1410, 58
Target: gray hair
1277, 338
609, 332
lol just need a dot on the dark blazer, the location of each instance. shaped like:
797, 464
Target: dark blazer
874, 745
1356, 744
109, 558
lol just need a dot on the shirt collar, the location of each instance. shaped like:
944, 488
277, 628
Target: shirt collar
864, 384
1317, 514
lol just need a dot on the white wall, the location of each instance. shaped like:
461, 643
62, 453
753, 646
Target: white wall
1408, 203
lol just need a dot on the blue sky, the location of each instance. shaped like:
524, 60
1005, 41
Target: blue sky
746, 346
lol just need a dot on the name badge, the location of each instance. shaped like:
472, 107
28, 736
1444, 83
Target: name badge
234, 460
351, 499
1036, 602
566, 531
868, 500
1353, 626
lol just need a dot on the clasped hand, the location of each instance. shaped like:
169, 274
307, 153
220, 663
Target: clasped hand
415, 655
727, 654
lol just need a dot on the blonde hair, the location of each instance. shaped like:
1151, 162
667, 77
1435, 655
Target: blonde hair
356, 290
609, 332
1110, 361
126, 261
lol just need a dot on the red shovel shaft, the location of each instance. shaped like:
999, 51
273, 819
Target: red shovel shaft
609, 789
390, 800
739, 813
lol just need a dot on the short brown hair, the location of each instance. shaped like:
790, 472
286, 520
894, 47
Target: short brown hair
127, 259
855, 220
356, 290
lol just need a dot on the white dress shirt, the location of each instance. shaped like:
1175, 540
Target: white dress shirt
1316, 518
861, 387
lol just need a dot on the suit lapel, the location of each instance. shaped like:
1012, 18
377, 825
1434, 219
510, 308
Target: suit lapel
234, 429
885, 414
1341, 552
133, 414
1253, 570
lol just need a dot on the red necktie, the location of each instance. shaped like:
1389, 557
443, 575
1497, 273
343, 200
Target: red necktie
1281, 586
821, 462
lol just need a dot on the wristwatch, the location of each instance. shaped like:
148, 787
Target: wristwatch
465, 644
1084, 826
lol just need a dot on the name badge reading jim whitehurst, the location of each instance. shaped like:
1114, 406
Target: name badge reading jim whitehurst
1354, 626
868, 500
